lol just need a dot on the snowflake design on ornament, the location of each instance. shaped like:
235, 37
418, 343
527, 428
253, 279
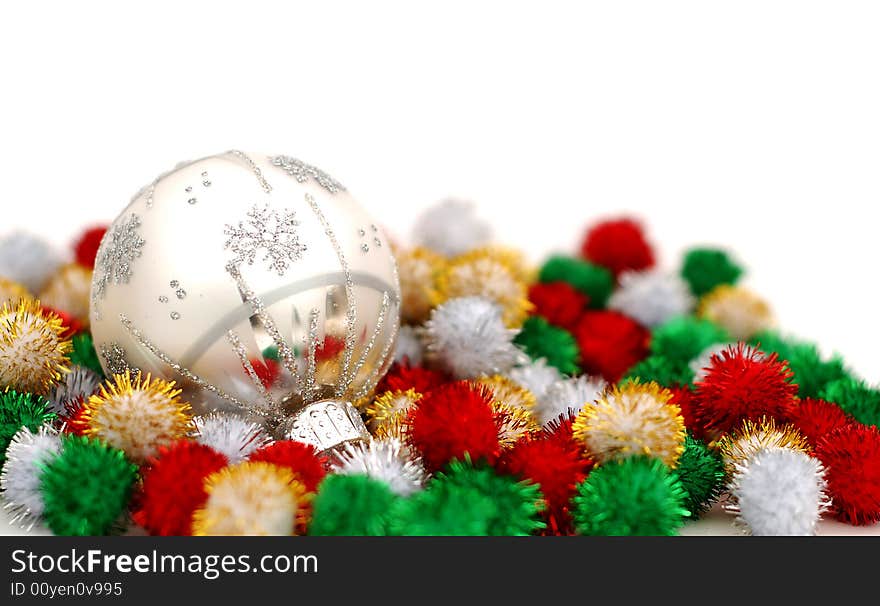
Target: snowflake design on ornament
301, 171
119, 248
268, 230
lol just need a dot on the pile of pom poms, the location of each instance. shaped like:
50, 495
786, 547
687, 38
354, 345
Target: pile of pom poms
596, 395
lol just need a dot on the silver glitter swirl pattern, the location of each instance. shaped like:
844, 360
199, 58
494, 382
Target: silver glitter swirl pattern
256, 169
311, 345
380, 325
302, 172
242, 353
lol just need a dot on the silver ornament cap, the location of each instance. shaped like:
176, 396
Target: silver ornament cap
259, 284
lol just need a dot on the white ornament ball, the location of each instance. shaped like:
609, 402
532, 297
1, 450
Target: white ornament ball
257, 279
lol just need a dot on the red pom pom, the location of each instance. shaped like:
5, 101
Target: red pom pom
611, 343
403, 376
744, 383
558, 302
454, 420
71, 325
686, 400
174, 487
85, 249
618, 245
329, 348
851, 455
557, 464
268, 370
817, 418
303, 460
75, 422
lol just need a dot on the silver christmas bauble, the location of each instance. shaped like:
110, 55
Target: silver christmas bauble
256, 282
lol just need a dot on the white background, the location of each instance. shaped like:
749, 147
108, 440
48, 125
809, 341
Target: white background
753, 125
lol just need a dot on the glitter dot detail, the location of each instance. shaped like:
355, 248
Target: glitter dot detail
175, 315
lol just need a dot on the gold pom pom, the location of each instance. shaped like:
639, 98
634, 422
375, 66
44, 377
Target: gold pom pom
483, 273
33, 354
12, 292
513, 423
752, 437
68, 291
632, 419
251, 499
509, 392
738, 310
137, 415
418, 269
387, 413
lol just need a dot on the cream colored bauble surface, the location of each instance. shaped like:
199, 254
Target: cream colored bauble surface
259, 284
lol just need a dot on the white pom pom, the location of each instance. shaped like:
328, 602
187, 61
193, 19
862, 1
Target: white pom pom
537, 376
451, 228
652, 297
28, 260
779, 492
230, 435
701, 364
568, 396
76, 386
467, 338
20, 480
385, 460
409, 346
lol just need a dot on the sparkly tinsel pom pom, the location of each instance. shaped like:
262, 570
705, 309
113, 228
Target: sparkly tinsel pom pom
619, 245
387, 461
19, 410
78, 385
352, 505
12, 292
137, 415
651, 297
683, 339
303, 460
27, 454
470, 500
467, 338
739, 311
815, 419
250, 499
173, 487
632, 419
559, 303
568, 396
453, 421
635, 496
68, 290
536, 376
812, 371
85, 248
451, 227
591, 280
851, 456
33, 350
418, 269
779, 492
403, 376
744, 383
706, 268
508, 392
540, 339
701, 472
663, 371
752, 437
86, 487
611, 343
27, 260
856, 398
233, 436
409, 348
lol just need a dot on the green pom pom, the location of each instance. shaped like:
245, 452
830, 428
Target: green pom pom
856, 399
706, 268
271, 353
634, 496
701, 472
683, 339
811, 372
593, 280
84, 353
541, 339
662, 371
86, 487
351, 505
470, 501
19, 410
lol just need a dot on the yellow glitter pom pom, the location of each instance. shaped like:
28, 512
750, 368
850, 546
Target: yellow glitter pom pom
250, 499
752, 437
738, 310
482, 273
137, 415
33, 354
68, 291
12, 292
513, 423
418, 270
509, 392
632, 419
387, 412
